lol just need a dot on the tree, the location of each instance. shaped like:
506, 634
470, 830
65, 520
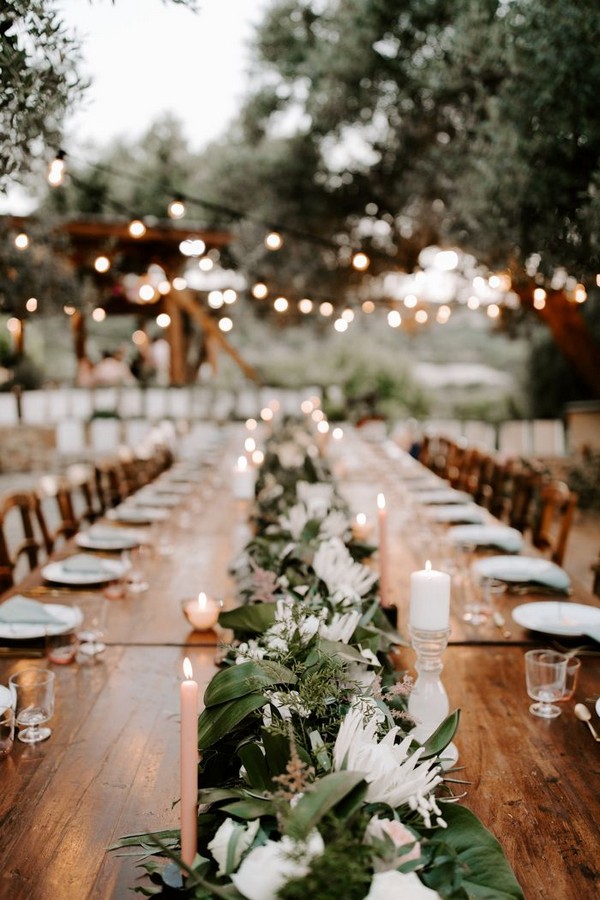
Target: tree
39, 65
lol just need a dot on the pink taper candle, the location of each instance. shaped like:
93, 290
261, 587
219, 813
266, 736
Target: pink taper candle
189, 764
384, 597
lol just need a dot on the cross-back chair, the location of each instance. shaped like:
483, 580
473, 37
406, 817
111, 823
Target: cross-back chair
24, 537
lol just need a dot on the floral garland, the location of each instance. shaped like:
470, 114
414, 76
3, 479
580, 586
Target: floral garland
310, 781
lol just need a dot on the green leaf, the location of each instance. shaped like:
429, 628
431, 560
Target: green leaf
340, 650
217, 721
254, 618
249, 677
250, 809
488, 875
277, 751
442, 736
323, 796
255, 765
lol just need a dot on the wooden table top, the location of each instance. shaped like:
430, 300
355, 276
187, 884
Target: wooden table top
111, 765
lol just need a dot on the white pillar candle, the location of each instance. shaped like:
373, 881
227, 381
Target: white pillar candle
244, 478
429, 599
188, 692
202, 613
384, 585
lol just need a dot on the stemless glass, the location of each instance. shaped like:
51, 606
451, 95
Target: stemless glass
92, 630
545, 674
33, 691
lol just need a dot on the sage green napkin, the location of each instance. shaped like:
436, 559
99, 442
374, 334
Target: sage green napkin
19, 610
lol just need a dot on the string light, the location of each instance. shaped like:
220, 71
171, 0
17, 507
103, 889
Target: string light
305, 306
137, 229
410, 301
258, 457
368, 307
99, 314
163, 320
493, 310
163, 287
102, 264
229, 295
251, 424
57, 170
394, 318
260, 290
176, 208
273, 241
348, 315
225, 324
361, 262
31, 304
473, 302
421, 316
280, 304
69, 310
205, 264
215, 299
326, 308
580, 294
139, 338
340, 325
146, 293
13, 325
443, 314
22, 241
192, 247
179, 283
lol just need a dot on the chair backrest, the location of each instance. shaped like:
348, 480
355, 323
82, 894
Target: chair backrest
23, 535
86, 503
523, 489
552, 524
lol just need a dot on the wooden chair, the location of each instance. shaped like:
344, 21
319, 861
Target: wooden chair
552, 524
521, 499
87, 504
111, 484
23, 535
494, 490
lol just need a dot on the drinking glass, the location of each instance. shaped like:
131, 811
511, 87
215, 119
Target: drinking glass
7, 731
92, 629
479, 605
545, 674
61, 649
33, 692
136, 575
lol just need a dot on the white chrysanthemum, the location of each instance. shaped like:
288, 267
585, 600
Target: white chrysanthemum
335, 524
393, 776
230, 842
295, 520
316, 498
342, 626
345, 578
267, 868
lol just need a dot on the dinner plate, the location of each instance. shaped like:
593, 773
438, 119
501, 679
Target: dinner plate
501, 536
598, 706
113, 539
158, 501
455, 512
6, 699
70, 617
557, 617
523, 570
138, 515
442, 496
109, 570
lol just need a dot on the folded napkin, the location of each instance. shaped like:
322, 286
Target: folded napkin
523, 570
106, 535
83, 564
442, 495
501, 536
455, 512
20, 610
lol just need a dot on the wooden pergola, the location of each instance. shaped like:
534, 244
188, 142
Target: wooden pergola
93, 236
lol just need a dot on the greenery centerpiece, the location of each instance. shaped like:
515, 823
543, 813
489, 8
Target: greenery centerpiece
310, 781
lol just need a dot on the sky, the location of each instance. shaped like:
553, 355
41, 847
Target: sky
147, 57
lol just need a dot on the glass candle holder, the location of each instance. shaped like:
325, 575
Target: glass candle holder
428, 700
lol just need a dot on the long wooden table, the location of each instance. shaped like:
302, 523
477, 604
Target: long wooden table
111, 765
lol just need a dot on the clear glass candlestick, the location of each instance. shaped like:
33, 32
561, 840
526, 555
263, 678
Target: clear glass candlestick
428, 700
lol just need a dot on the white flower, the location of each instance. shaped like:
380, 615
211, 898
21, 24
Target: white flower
285, 703
342, 626
335, 524
308, 627
393, 776
369, 656
295, 520
392, 885
268, 868
343, 576
249, 650
316, 497
230, 842
399, 835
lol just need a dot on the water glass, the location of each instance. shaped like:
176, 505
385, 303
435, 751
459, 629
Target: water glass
479, 604
7, 731
61, 649
33, 693
92, 629
545, 674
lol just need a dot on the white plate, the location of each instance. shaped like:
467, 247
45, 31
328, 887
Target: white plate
158, 501
70, 617
598, 706
557, 617
6, 699
523, 570
442, 496
111, 569
124, 541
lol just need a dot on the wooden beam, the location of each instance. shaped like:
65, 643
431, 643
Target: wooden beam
187, 301
176, 339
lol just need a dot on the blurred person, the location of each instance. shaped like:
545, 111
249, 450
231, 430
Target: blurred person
112, 370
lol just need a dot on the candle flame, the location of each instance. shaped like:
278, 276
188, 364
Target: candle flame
380, 501
187, 668
428, 566
242, 463
361, 519
202, 600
